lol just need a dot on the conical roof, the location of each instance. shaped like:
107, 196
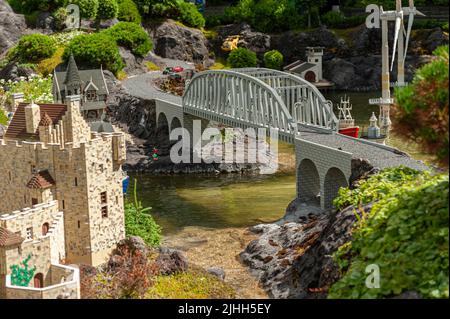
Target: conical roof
72, 74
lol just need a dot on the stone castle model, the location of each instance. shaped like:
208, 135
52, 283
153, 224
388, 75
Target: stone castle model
61, 199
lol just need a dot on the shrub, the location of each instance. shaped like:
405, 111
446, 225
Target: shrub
88, 8
190, 15
333, 18
139, 223
3, 117
36, 88
131, 36
60, 16
128, 12
421, 113
152, 66
242, 58
28, 6
46, 66
406, 235
35, 47
94, 50
273, 59
107, 9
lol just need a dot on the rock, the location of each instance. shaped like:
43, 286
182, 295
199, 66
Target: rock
133, 64
12, 71
174, 41
217, 271
105, 24
360, 168
171, 261
111, 80
436, 38
46, 22
342, 73
294, 259
409, 295
12, 26
132, 244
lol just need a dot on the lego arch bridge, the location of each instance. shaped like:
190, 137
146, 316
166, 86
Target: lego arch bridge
257, 97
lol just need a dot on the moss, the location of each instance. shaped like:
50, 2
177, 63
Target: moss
152, 66
193, 284
121, 75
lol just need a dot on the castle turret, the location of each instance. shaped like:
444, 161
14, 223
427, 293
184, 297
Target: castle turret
32, 117
72, 81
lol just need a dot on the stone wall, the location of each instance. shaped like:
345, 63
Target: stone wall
333, 169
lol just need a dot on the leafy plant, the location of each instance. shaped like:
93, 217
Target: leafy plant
406, 235
3, 117
128, 11
60, 16
421, 113
242, 58
139, 223
88, 8
35, 47
131, 36
94, 50
22, 275
107, 9
46, 66
36, 88
190, 15
273, 59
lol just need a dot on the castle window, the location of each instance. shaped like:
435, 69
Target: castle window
34, 201
103, 198
45, 228
105, 211
63, 204
29, 235
10, 177
75, 182
79, 224
33, 168
91, 95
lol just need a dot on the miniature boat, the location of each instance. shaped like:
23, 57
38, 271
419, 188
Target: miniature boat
346, 121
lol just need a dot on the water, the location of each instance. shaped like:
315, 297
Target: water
235, 201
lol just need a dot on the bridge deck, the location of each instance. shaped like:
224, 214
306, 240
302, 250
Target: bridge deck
378, 155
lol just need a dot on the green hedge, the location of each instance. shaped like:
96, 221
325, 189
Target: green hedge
94, 50
128, 12
131, 36
242, 58
88, 8
35, 47
405, 234
273, 60
190, 15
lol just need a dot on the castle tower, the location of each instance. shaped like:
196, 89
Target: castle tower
72, 82
314, 55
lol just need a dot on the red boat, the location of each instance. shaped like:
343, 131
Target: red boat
350, 131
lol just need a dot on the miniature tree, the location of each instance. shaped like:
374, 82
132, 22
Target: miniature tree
421, 113
107, 9
21, 276
273, 59
242, 58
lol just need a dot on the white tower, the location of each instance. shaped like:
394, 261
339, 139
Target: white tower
315, 56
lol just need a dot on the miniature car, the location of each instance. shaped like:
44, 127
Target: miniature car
168, 70
174, 76
178, 69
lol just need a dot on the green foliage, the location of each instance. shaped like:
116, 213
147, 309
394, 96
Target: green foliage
22, 275
107, 9
3, 117
273, 59
190, 15
422, 110
337, 20
28, 6
131, 36
139, 223
405, 234
94, 50
60, 16
242, 58
35, 47
128, 11
375, 188
88, 8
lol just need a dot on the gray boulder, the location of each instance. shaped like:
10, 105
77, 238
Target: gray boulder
133, 64
342, 73
132, 244
12, 71
217, 271
12, 26
256, 41
181, 43
46, 22
171, 261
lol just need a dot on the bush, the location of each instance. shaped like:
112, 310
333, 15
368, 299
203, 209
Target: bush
88, 8
405, 234
128, 12
273, 60
94, 50
190, 15
35, 47
3, 117
107, 9
46, 66
139, 223
421, 113
242, 58
60, 16
131, 36
28, 6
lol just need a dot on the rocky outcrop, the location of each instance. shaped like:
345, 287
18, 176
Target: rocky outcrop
13, 71
293, 260
170, 261
12, 26
133, 64
174, 41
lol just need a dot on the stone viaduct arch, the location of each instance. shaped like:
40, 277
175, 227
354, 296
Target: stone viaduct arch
308, 182
334, 179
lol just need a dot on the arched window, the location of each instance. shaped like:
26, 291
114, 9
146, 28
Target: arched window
39, 280
45, 228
